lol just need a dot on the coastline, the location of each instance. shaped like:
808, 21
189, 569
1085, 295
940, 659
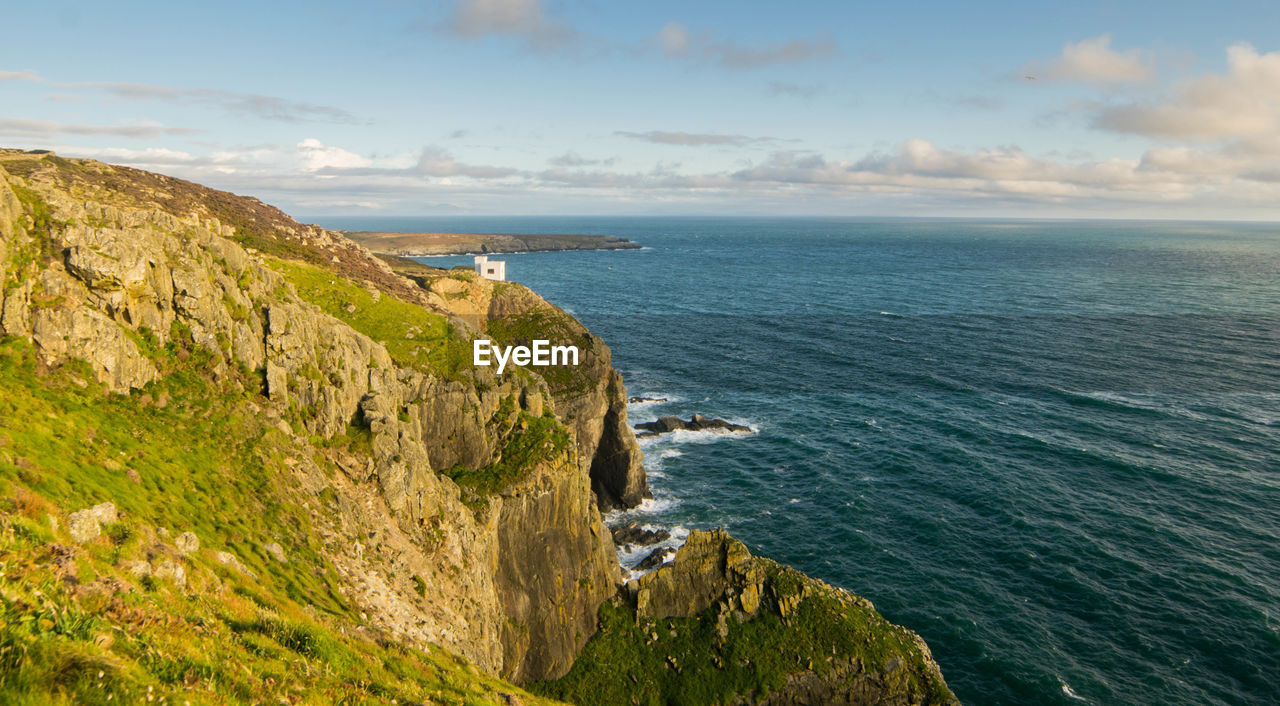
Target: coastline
434, 512
442, 244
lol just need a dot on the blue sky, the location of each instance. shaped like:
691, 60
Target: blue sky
579, 107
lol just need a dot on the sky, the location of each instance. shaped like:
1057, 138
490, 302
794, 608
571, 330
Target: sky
559, 107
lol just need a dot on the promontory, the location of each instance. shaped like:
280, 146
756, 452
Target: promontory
431, 244
243, 460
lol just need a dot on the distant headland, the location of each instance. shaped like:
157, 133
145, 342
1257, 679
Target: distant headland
429, 244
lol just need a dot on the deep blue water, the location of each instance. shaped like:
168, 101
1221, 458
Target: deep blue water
1051, 448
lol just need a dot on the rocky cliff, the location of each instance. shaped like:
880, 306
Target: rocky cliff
301, 452
105, 274
718, 625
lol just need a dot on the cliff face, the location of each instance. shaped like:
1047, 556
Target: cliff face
513, 571
589, 397
293, 468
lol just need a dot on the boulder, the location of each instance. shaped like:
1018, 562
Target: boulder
86, 525
276, 551
172, 570
187, 543
230, 560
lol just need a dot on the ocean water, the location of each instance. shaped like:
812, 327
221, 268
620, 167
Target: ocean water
1051, 448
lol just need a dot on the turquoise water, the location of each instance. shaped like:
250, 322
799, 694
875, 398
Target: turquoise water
1051, 448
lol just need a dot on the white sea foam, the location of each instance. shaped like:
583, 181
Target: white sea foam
645, 510
704, 436
1070, 693
637, 553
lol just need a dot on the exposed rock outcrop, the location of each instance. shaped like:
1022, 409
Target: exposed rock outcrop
710, 567
664, 425
86, 525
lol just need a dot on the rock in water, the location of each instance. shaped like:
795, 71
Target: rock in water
633, 533
655, 559
697, 422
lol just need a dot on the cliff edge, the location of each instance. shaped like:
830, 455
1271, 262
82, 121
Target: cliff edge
243, 459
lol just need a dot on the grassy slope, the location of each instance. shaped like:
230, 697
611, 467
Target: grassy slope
192, 454
79, 627
415, 337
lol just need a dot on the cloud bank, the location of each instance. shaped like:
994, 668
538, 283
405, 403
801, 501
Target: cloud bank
24, 75
692, 139
1094, 61
246, 104
1242, 104
21, 127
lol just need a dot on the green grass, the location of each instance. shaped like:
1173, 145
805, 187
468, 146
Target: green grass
552, 325
530, 441
683, 661
198, 460
185, 454
415, 337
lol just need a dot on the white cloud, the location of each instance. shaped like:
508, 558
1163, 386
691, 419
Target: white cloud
1243, 104
573, 159
431, 162
917, 174
151, 156
919, 166
692, 139
22, 127
436, 162
675, 41
1094, 61
24, 75
251, 104
315, 156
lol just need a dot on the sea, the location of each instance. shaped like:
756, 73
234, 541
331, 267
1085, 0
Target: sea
1051, 448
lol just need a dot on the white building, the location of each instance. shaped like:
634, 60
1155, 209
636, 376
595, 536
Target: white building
491, 269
